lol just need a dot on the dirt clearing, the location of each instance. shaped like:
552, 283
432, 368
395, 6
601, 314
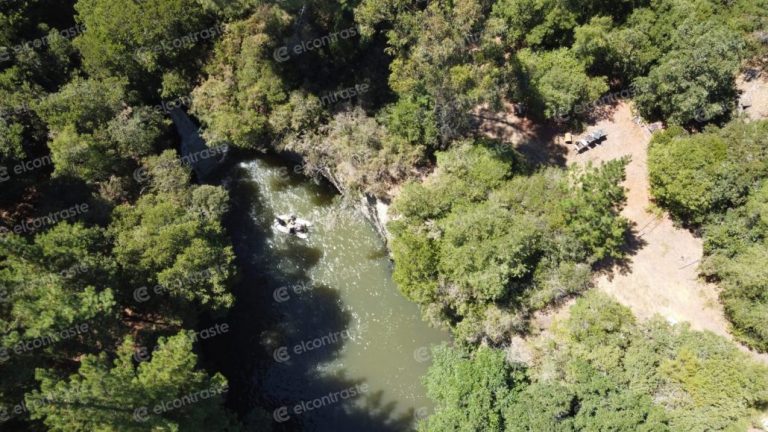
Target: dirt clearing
661, 272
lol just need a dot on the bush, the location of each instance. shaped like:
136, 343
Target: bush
695, 177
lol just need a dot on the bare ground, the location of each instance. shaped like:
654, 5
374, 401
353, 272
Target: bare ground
754, 93
660, 275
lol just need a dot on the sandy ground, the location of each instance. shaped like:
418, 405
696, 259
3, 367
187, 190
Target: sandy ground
754, 92
660, 275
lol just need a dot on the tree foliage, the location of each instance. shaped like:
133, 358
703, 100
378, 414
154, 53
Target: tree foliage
556, 81
356, 153
600, 370
81, 105
442, 67
142, 41
166, 393
480, 241
95, 134
483, 236
471, 392
243, 85
61, 279
716, 180
695, 176
736, 248
694, 81
173, 238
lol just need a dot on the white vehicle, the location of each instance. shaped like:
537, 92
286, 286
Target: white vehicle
290, 224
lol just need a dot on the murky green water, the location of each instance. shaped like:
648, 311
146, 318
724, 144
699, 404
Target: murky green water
323, 321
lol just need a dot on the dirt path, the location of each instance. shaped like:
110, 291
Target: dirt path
661, 275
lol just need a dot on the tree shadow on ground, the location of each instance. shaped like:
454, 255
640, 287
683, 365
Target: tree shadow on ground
633, 243
603, 109
543, 150
535, 140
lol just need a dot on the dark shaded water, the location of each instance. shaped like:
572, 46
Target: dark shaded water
320, 338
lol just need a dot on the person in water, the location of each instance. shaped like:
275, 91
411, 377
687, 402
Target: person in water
292, 224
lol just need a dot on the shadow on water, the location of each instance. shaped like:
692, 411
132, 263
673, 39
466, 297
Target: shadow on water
261, 355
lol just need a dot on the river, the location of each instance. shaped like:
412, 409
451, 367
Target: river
321, 338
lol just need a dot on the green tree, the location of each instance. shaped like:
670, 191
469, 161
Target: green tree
701, 380
555, 82
229, 9
166, 393
735, 248
174, 238
631, 49
541, 407
722, 388
413, 120
63, 278
11, 143
95, 134
141, 41
471, 392
683, 172
600, 370
695, 81
86, 104
76, 116
23, 136
485, 247
593, 45
357, 154
243, 85
442, 68
484, 242
57, 302
592, 214
536, 23
86, 156
136, 131
698, 176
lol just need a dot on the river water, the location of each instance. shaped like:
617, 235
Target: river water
321, 339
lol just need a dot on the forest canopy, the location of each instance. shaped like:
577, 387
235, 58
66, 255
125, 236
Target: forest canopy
485, 241
600, 370
111, 243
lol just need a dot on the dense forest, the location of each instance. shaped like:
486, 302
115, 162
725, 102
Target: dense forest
116, 264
